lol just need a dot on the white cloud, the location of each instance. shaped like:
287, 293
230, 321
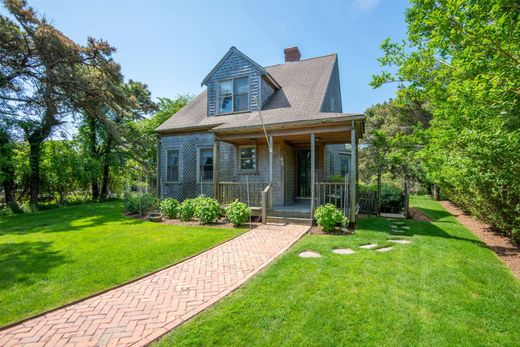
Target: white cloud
364, 5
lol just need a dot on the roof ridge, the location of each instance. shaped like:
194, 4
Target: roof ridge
318, 57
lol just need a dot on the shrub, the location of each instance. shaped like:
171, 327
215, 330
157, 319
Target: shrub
207, 209
170, 208
328, 217
186, 210
197, 202
141, 202
392, 198
237, 213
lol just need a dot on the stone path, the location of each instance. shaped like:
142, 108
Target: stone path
138, 313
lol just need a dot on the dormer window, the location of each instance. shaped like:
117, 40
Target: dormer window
233, 95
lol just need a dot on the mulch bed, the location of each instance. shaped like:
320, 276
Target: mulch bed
419, 215
221, 223
317, 230
500, 244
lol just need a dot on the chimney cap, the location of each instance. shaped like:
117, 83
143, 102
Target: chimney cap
292, 54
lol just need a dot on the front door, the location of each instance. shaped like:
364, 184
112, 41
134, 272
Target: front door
303, 173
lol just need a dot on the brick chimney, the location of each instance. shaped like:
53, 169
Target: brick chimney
292, 54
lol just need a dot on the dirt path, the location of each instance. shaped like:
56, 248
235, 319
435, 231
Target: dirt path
500, 244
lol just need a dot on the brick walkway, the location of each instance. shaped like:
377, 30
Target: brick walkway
140, 312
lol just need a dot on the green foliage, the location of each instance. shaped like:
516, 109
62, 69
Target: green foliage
329, 217
170, 208
207, 209
187, 210
463, 61
237, 213
141, 202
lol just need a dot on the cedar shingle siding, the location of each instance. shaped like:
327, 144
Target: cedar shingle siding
234, 66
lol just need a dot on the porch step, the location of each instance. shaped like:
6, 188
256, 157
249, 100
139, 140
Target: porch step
289, 214
288, 220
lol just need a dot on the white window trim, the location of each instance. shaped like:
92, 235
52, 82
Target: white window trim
178, 165
233, 95
198, 164
240, 170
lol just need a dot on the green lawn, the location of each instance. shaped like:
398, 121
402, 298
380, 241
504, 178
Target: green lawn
51, 258
444, 289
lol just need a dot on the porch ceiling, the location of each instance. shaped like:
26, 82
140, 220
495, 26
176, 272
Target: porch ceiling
331, 134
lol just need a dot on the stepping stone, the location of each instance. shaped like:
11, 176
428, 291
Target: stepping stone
403, 242
309, 254
343, 251
398, 231
406, 227
384, 249
369, 246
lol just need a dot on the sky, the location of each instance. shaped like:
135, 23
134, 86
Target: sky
172, 45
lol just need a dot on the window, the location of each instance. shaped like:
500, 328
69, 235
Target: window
172, 166
205, 165
344, 165
233, 95
247, 158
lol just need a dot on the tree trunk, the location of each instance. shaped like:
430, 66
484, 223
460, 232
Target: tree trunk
7, 170
93, 154
379, 193
406, 198
34, 163
106, 167
436, 192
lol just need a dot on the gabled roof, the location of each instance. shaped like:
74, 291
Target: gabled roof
298, 101
232, 50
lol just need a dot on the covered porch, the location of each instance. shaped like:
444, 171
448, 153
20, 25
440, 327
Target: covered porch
287, 170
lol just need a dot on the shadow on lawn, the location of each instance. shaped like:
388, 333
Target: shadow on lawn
416, 228
25, 262
72, 218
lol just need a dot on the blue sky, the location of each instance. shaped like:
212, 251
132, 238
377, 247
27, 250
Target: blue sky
172, 45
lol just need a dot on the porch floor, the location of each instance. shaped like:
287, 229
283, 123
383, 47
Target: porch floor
299, 205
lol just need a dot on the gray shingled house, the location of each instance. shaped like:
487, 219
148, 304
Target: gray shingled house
274, 136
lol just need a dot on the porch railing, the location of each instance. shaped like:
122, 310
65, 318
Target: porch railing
231, 191
336, 193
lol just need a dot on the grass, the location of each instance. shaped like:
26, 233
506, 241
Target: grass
54, 257
445, 288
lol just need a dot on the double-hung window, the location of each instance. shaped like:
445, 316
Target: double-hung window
344, 164
247, 158
172, 166
233, 95
205, 164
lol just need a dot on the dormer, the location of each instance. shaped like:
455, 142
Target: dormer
237, 84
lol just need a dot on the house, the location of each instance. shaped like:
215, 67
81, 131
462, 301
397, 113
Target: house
274, 136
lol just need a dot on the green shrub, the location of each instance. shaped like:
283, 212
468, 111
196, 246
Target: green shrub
197, 202
237, 213
328, 217
186, 210
141, 202
207, 209
169, 208
392, 198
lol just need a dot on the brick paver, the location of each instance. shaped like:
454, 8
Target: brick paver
138, 313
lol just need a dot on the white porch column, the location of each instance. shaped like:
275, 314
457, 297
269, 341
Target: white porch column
353, 173
313, 174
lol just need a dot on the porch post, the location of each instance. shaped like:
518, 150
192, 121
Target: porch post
216, 169
313, 174
271, 149
353, 172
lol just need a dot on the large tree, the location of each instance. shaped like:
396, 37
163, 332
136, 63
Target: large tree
44, 75
463, 59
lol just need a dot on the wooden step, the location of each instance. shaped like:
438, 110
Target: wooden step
288, 220
289, 214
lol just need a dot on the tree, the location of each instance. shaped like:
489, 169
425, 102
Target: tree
463, 60
45, 73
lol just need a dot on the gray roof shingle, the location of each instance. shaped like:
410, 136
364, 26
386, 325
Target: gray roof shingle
303, 83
